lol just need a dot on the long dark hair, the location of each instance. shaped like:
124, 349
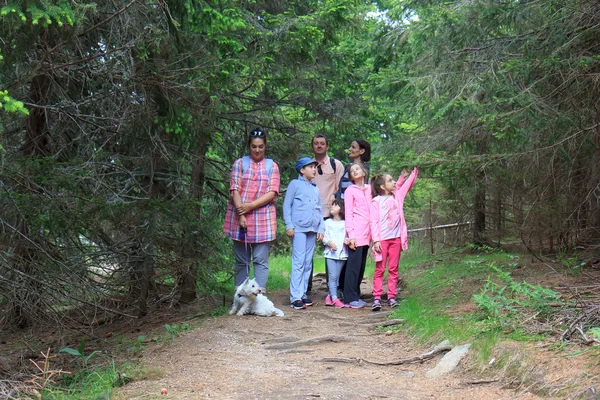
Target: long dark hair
364, 145
376, 183
340, 202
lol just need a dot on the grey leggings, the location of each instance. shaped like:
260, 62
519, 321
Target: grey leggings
334, 267
259, 253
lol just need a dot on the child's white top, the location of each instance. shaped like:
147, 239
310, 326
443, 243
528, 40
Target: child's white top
335, 231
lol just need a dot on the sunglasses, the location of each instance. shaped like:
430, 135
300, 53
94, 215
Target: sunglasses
258, 133
319, 169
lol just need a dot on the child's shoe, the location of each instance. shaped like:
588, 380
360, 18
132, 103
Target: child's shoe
307, 301
392, 302
356, 304
328, 301
376, 305
298, 305
337, 303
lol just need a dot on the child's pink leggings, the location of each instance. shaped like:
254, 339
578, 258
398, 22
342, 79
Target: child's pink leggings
390, 253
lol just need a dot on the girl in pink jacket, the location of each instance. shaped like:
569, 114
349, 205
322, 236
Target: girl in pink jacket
357, 200
389, 231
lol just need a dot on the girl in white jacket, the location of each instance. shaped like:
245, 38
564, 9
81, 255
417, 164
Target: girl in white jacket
336, 250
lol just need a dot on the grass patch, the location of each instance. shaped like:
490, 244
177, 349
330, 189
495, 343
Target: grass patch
438, 302
279, 272
87, 383
98, 382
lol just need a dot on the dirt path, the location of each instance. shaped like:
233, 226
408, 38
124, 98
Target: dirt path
231, 357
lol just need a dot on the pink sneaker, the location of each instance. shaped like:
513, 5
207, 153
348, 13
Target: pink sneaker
337, 303
328, 301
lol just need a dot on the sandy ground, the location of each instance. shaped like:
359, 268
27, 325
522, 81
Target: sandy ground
249, 357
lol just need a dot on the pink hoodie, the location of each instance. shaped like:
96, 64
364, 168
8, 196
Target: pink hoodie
356, 206
402, 188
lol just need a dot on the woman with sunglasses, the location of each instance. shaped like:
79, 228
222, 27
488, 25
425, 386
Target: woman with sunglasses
250, 220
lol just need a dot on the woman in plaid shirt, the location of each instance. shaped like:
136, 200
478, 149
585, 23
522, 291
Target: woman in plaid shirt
250, 219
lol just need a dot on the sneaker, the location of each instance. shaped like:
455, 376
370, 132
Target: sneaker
298, 305
337, 303
364, 303
356, 304
307, 301
328, 301
376, 305
392, 302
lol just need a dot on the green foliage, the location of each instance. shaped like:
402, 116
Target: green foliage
92, 383
80, 352
496, 89
98, 382
136, 345
440, 290
436, 284
595, 332
571, 262
39, 13
174, 331
11, 105
508, 303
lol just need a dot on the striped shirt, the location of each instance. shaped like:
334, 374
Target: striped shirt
254, 183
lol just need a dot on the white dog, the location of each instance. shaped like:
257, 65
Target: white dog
248, 300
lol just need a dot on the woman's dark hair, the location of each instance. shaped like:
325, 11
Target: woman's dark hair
257, 133
340, 202
376, 183
363, 144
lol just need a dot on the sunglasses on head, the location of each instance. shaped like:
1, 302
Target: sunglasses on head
258, 133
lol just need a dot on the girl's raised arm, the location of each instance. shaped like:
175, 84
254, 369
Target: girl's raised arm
400, 193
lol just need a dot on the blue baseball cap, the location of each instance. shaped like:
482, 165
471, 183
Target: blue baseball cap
303, 162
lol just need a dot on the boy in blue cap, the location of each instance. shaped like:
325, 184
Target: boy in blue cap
304, 224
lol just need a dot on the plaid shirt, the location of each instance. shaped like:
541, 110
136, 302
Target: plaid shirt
262, 224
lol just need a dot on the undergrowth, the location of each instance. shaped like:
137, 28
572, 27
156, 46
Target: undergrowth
468, 295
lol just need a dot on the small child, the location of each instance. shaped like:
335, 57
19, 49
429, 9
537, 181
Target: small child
336, 250
304, 224
357, 201
388, 230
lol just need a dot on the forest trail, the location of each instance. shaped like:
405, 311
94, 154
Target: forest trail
231, 357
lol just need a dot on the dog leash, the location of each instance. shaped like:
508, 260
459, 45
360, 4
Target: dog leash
243, 232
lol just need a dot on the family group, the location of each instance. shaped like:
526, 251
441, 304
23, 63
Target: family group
328, 202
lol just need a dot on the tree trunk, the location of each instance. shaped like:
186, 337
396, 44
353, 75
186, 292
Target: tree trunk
20, 307
36, 135
594, 184
187, 281
480, 193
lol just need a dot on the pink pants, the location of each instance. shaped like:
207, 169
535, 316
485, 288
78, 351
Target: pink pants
390, 253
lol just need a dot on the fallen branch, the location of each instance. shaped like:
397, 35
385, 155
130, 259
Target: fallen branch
328, 315
308, 342
410, 360
375, 324
482, 382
